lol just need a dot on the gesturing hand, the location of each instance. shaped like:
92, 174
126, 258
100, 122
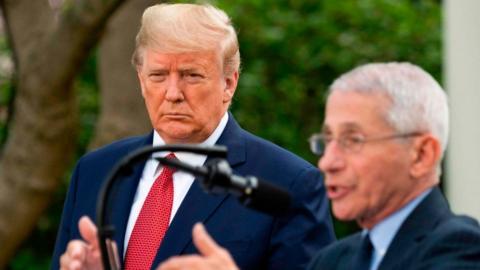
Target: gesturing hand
212, 256
83, 254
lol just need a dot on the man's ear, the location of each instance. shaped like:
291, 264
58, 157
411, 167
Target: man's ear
231, 82
140, 79
426, 154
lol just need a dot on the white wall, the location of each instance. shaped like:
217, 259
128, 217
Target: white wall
462, 82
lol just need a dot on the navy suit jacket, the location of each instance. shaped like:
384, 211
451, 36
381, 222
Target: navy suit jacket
256, 240
431, 237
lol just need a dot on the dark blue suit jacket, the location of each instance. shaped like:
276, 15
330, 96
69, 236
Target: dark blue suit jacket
431, 237
256, 241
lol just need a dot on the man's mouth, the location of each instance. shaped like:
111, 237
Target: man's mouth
335, 192
175, 115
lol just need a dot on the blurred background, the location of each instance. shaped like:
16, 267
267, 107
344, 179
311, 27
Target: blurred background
67, 86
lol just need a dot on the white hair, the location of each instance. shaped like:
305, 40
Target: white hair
418, 102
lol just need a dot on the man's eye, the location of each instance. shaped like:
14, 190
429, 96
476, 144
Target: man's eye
157, 77
193, 77
327, 139
353, 139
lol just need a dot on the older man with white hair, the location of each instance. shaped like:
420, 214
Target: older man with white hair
381, 145
382, 142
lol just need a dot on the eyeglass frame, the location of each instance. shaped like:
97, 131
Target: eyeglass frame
318, 144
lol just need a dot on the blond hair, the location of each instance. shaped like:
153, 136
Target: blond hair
183, 28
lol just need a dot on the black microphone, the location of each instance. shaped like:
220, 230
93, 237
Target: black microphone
217, 177
106, 231
251, 191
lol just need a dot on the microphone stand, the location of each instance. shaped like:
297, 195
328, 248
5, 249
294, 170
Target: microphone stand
109, 253
216, 177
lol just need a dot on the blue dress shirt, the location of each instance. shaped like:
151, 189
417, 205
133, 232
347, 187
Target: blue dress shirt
381, 235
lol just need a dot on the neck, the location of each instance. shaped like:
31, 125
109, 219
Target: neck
391, 207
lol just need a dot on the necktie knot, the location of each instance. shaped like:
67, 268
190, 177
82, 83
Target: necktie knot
168, 169
171, 156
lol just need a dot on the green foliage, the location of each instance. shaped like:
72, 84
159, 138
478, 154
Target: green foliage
6, 91
291, 52
88, 95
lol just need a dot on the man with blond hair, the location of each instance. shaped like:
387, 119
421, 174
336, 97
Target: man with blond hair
381, 145
187, 60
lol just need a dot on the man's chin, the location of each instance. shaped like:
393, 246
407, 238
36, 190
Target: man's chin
177, 135
342, 214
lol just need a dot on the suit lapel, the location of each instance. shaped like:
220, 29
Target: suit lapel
198, 206
419, 223
339, 255
122, 196
232, 137
351, 252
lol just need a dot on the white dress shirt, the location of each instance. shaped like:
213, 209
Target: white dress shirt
181, 180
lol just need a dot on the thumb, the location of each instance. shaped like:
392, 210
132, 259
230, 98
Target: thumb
203, 241
88, 230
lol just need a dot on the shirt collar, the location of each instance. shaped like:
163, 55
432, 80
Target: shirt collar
193, 159
382, 234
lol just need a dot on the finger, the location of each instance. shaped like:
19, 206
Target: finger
204, 242
64, 261
74, 255
88, 231
76, 249
190, 262
76, 265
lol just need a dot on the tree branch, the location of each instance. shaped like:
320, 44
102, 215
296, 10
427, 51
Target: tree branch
49, 51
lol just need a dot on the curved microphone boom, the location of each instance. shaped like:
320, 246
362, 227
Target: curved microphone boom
108, 250
215, 177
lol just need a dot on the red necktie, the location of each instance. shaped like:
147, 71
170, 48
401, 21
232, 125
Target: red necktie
152, 222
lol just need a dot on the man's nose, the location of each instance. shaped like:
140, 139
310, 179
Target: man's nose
332, 158
174, 90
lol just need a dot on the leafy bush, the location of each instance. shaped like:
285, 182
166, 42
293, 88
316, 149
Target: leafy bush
293, 50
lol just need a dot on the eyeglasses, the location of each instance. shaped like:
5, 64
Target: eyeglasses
350, 143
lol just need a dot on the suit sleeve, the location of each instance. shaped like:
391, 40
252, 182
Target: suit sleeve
313, 265
458, 249
307, 227
64, 231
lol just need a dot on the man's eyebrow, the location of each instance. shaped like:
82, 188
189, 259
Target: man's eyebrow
325, 129
160, 69
344, 127
351, 126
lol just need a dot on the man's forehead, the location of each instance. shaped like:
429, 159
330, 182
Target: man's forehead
184, 59
349, 110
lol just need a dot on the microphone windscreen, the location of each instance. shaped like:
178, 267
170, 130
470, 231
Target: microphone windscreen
269, 198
